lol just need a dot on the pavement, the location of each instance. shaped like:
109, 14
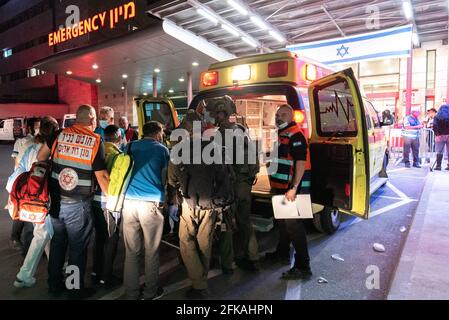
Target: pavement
422, 271
365, 274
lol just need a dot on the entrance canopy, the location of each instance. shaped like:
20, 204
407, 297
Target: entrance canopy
132, 60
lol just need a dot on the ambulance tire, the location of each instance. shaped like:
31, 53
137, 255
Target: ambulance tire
327, 221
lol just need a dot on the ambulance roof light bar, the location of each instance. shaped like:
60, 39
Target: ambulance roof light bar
229, 26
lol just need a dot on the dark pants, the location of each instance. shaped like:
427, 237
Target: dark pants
72, 228
411, 143
105, 247
23, 233
293, 231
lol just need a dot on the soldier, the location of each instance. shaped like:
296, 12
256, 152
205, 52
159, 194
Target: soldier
245, 168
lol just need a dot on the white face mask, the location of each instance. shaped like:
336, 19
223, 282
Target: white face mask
104, 123
36, 132
282, 125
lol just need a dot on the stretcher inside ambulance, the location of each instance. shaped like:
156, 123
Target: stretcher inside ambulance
347, 146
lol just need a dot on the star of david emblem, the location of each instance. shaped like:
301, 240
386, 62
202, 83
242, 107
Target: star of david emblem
67, 179
342, 51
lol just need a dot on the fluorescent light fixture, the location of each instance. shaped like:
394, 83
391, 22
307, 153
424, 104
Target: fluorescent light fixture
250, 42
181, 79
415, 39
230, 29
124, 76
237, 6
157, 70
408, 10
241, 73
98, 80
69, 72
277, 36
171, 91
95, 66
195, 64
207, 15
194, 41
259, 22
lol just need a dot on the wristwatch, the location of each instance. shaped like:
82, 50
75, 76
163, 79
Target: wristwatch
294, 186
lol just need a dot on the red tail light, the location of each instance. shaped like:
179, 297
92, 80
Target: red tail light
347, 189
298, 116
209, 78
278, 69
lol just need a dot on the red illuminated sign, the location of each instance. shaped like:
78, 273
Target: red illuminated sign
92, 24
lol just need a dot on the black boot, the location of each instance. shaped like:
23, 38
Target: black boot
439, 160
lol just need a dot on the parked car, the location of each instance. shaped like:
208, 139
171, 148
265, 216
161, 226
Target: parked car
12, 129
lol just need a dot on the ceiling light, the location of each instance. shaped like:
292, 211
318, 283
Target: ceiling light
277, 36
181, 79
259, 22
145, 94
250, 42
95, 66
123, 88
230, 29
69, 72
171, 91
150, 83
207, 15
157, 70
408, 10
98, 80
124, 76
195, 64
415, 39
237, 6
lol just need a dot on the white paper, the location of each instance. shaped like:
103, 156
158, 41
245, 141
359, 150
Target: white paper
299, 209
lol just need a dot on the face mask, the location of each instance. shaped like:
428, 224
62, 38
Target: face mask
103, 124
281, 124
36, 132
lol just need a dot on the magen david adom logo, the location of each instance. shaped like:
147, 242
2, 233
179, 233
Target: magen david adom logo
68, 179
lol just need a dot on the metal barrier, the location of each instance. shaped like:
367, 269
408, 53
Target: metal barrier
426, 144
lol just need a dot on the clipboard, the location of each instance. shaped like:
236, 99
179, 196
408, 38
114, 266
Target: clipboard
299, 209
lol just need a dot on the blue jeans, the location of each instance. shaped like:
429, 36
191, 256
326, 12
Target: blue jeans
72, 228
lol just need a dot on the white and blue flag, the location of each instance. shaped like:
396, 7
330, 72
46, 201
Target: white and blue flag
389, 43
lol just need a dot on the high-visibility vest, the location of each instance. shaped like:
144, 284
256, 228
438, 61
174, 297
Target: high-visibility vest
283, 176
73, 154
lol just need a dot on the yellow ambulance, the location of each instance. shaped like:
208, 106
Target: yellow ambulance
347, 144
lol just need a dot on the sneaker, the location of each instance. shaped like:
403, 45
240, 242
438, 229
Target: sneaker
437, 168
276, 257
296, 274
416, 165
196, 294
80, 294
22, 284
159, 294
247, 265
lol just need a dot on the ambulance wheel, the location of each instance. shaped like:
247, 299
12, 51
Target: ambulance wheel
383, 171
327, 221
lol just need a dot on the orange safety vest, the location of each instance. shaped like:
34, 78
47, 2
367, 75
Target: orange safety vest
283, 176
73, 154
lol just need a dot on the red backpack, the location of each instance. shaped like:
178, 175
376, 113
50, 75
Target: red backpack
29, 195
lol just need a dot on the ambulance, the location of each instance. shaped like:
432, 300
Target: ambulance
347, 141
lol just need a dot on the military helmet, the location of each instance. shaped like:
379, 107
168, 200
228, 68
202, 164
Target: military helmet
225, 104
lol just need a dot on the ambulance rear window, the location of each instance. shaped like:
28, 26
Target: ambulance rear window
161, 112
335, 111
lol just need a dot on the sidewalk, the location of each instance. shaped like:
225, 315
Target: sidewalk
423, 269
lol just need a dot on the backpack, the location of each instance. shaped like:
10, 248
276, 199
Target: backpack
119, 177
29, 197
207, 186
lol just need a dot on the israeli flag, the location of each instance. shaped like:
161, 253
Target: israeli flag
389, 43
